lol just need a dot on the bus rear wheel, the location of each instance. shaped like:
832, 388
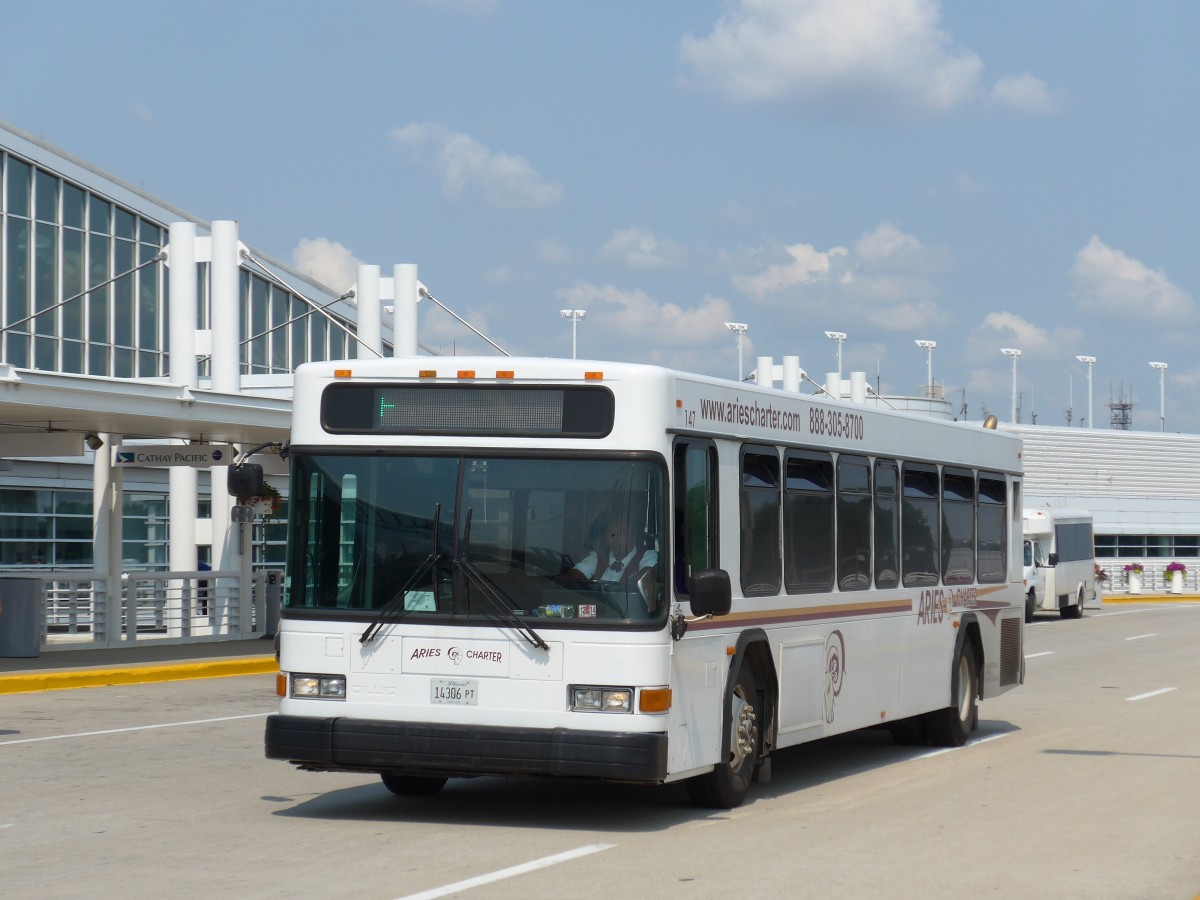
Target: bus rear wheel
412, 785
1030, 604
950, 727
1075, 611
727, 784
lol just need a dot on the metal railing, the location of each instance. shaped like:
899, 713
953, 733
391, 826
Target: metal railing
1154, 578
165, 607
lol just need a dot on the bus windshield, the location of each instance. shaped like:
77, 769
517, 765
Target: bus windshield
457, 538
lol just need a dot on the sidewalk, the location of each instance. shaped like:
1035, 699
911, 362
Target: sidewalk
145, 662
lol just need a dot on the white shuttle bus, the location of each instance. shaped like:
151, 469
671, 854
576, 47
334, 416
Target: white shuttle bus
615, 571
1060, 561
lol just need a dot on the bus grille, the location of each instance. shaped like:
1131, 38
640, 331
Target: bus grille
1010, 651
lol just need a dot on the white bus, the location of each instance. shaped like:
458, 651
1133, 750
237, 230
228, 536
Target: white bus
459, 601
1060, 561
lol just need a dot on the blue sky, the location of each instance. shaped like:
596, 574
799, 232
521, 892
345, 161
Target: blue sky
1018, 174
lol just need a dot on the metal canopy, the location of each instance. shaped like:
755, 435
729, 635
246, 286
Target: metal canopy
34, 401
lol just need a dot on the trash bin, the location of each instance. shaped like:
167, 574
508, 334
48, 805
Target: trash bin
20, 625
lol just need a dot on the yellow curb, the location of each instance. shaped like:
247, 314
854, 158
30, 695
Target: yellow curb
81, 678
1152, 598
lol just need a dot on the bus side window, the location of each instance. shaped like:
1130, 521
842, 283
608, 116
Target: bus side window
695, 514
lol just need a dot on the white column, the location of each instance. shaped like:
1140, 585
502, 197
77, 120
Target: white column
765, 372
370, 323
182, 370
858, 387
833, 385
225, 316
791, 373
107, 539
404, 325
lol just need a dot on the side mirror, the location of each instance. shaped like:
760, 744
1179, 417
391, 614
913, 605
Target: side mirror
710, 593
1052, 560
245, 480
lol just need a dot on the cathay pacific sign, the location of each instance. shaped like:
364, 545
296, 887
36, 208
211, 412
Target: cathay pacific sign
199, 455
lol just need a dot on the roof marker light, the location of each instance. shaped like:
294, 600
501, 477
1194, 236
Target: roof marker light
466, 373
427, 373
506, 373
593, 376
341, 373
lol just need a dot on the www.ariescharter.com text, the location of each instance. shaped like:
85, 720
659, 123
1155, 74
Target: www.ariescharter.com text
829, 422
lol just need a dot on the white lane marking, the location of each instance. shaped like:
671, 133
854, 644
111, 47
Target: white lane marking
1043, 653
1152, 694
500, 875
971, 743
61, 737
1138, 637
1144, 609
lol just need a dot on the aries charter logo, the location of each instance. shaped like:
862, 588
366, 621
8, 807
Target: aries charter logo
835, 669
455, 655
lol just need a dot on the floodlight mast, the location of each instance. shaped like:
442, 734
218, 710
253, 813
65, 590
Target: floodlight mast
839, 338
1162, 394
576, 316
928, 346
1014, 355
738, 328
1088, 361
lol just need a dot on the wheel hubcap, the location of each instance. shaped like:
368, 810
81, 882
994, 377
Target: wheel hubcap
744, 737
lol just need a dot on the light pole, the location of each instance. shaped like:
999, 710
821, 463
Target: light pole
928, 346
1014, 355
576, 316
738, 328
1088, 361
838, 337
1162, 394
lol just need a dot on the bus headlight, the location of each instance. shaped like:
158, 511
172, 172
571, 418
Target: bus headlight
601, 699
319, 687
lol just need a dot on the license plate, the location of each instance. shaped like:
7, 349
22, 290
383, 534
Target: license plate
460, 693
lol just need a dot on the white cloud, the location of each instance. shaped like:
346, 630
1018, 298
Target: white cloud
552, 250
806, 265
1027, 94
879, 56
637, 316
327, 262
886, 279
1011, 330
638, 248
467, 166
144, 112
1111, 283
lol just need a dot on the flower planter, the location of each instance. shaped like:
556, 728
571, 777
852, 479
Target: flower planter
1175, 583
1135, 582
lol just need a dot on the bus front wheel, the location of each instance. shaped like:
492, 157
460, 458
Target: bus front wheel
950, 727
412, 785
727, 784
1030, 604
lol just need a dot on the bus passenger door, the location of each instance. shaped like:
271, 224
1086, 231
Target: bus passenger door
699, 665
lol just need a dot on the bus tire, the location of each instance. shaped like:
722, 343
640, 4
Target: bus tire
950, 727
1030, 604
1074, 611
412, 785
727, 784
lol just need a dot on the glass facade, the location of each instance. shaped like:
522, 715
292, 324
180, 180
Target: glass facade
81, 292
1148, 546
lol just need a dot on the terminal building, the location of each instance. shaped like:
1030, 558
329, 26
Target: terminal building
86, 284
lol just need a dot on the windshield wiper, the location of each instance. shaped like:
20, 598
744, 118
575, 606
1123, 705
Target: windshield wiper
498, 600
394, 608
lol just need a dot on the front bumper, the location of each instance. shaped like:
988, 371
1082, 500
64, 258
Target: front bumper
423, 748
